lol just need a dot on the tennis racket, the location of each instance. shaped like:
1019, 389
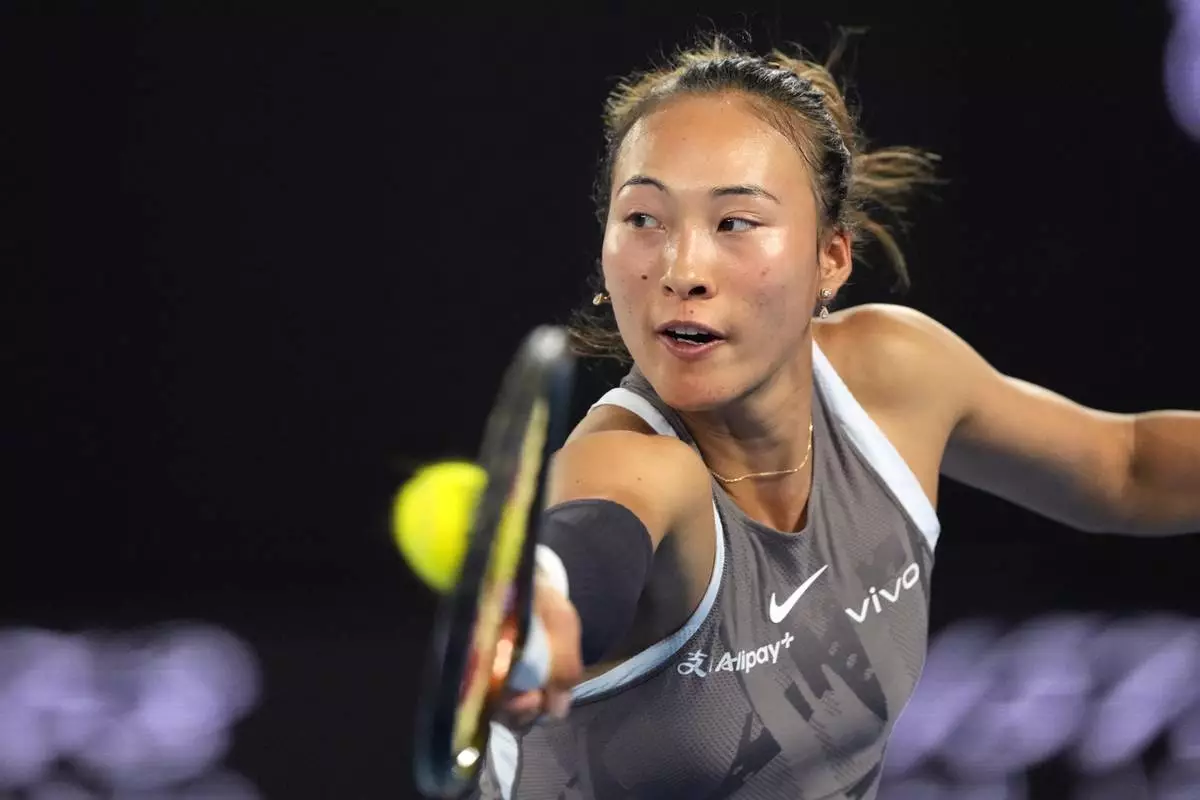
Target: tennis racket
480, 645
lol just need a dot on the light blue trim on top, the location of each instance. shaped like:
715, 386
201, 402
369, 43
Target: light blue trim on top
874, 446
639, 405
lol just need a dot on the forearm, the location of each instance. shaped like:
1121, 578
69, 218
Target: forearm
601, 556
592, 560
1163, 495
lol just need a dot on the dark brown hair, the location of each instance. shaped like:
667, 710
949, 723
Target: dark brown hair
802, 100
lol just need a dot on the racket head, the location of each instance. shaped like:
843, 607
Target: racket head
482, 622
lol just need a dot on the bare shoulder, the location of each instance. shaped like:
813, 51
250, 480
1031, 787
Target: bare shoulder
610, 418
614, 455
913, 376
891, 356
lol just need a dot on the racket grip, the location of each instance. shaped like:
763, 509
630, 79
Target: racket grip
533, 670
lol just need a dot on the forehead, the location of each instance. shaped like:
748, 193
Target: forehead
704, 141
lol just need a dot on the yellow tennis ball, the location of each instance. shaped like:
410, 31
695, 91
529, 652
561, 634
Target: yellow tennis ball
432, 517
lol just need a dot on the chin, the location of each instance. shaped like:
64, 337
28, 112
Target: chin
692, 390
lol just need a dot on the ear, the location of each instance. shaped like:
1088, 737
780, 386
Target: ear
836, 261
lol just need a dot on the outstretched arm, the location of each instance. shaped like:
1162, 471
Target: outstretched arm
612, 497
1092, 470
1164, 472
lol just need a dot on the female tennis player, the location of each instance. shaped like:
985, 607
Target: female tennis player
743, 532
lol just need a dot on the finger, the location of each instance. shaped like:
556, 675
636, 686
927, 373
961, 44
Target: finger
520, 711
558, 703
525, 702
562, 623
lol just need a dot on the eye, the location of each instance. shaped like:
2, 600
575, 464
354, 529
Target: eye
640, 220
736, 225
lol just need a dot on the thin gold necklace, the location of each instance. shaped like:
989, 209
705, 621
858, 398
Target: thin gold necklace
775, 473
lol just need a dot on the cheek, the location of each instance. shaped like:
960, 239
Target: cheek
625, 265
625, 279
776, 285
770, 302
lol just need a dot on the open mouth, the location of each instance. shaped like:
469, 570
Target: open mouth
693, 335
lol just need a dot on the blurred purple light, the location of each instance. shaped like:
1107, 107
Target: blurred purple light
139, 713
45, 700
1181, 66
1035, 706
991, 706
1162, 661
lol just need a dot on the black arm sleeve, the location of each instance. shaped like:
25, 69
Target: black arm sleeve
607, 552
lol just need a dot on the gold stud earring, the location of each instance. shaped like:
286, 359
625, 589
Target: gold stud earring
600, 299
826, 296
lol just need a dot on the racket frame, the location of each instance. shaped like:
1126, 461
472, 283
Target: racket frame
543, 368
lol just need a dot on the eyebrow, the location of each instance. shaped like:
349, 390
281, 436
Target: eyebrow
745, 190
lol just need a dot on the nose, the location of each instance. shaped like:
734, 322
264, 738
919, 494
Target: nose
687, 275
688, 285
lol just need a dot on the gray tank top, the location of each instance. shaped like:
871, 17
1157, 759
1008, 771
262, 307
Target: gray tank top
789, 677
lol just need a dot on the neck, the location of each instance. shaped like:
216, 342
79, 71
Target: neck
766, 429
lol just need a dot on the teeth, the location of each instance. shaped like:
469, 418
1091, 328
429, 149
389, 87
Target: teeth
689, 330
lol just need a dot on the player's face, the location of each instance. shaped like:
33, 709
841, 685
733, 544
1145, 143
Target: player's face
712, 222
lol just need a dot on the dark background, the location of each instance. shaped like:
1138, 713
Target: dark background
259, 267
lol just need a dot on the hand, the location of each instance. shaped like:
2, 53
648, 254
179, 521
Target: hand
561, 622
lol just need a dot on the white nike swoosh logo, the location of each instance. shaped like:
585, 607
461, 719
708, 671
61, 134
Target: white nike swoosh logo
777, 612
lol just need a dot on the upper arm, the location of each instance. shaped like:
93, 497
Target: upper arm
1041, 450
1004, 435
658, 478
